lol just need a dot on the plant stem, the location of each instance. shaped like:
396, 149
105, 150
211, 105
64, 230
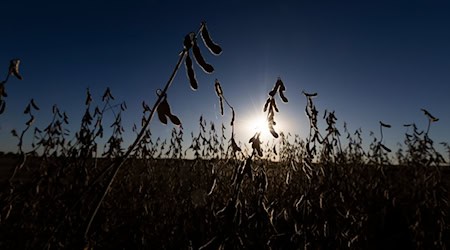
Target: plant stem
119, 163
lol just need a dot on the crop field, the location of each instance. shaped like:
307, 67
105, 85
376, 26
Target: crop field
324, 191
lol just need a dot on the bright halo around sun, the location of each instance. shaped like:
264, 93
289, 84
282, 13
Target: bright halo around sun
259, 124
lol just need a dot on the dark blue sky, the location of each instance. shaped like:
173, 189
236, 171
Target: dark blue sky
368, 60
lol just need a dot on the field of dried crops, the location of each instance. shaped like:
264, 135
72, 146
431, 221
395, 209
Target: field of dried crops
188, 204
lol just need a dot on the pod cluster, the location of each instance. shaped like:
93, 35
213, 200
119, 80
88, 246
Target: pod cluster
219, 92
164, 112
271, 107
190, 44
14, 71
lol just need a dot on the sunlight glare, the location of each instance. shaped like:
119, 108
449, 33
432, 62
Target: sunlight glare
259, 124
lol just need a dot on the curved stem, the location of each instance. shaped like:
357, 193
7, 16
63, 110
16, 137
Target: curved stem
118, 164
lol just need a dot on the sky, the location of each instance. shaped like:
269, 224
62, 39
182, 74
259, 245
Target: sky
369, 61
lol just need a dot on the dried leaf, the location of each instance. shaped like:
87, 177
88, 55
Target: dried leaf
213, 47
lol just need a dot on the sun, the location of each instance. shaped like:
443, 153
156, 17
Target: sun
259, 124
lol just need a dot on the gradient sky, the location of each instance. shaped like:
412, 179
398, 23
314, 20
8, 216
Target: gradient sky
368, 60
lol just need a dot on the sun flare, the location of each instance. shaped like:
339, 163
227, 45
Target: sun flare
259, 124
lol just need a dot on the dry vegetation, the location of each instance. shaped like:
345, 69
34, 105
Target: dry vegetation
325, 192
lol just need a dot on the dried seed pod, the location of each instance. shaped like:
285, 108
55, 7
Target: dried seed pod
431, 117
55, 109
256, 143
3, 91
29, 122
162, 117
232, 117
218, 88
273, 92
145, 107
309, 94
190, 72
221, 105
107, 94
283, 98
281, 85
2, 106
385, 148
163, 111
274, 105
208, 68
234, 145
384, 125
266, 104
33, 104
66, 119
188, 41
272, 131
123, 106
213, 47
27, 109
259, 150
174, 119
14, 68
88, 97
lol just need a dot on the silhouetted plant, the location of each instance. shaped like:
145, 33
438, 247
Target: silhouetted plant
271, 107
13, 70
